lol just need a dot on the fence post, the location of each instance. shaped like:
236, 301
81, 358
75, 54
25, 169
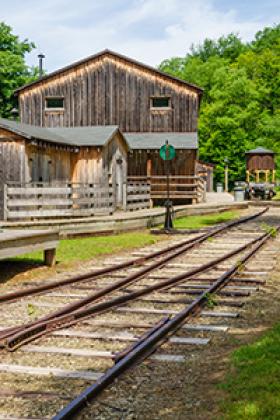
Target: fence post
124, 196
5, 202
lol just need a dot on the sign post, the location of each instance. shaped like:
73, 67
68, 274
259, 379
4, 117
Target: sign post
167, 153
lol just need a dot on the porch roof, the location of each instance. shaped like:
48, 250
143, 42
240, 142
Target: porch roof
187, 140
73, 136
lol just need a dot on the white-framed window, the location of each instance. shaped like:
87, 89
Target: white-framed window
54, 103
160, 102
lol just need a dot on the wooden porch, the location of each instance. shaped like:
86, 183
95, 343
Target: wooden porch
183, 188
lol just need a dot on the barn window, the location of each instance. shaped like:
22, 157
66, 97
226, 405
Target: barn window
160, 102
55, 103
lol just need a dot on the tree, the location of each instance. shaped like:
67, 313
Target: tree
241, 101
228, 47
13, 70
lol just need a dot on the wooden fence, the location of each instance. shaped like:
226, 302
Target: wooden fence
137, 194
183, 189
41, 200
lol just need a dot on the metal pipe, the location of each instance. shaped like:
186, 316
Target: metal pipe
41, 57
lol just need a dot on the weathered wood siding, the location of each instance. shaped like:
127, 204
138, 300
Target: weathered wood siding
260, 162
144, 162
48, 164
13, 162
108, 91
98, 164
22, 161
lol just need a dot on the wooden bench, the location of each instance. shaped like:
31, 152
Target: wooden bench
18, 242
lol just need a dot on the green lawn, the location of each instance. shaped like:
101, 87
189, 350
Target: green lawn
196, 222
86, 248
277, 196
82, 249
253, 388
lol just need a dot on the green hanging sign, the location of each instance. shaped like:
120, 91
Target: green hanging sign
167, 152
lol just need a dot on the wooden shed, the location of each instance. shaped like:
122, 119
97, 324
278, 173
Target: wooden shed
144, 161
206, 171
80, 155
260, 165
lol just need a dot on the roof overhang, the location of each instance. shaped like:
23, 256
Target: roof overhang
115, 55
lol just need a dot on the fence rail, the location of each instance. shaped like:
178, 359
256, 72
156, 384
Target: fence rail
28, 201
44, 200
137, 194
182, 188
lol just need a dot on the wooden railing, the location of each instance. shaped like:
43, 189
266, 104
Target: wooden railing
137, 194
41, 200
183, 188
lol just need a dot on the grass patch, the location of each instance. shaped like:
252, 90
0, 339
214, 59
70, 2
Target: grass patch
277, 196
196, 222
253, 388
83, 249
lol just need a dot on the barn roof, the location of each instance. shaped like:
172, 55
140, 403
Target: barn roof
260, 151
156, 140
74, 136
113, 54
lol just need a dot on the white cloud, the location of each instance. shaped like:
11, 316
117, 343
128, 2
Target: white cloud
148, 30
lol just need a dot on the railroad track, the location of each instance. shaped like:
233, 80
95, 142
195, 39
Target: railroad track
95, 326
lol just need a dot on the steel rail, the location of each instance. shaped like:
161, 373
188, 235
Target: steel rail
35, 330
153, 340
10, 297
129, 279
106, 290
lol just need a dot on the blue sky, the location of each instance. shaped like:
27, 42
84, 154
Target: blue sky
147, 30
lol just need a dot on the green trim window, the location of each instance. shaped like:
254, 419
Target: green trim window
54, 103
160, 102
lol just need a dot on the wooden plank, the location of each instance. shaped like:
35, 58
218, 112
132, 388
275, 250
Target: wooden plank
10, 252
38, 191
219, 314
167, 358
50, 371
30, 348
189, 341
123, 336
206, 327
172, 312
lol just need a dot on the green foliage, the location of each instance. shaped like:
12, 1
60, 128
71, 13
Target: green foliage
269, 229
31, 309
13, 70
211, 300
241, 102
253, 387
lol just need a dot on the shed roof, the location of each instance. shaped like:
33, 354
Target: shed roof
156, 140
113, 54
73, 136
260, 151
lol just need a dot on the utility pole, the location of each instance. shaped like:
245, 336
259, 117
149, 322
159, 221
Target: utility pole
226, 174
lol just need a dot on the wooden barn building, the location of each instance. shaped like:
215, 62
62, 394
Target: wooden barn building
78, 156
104, 116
